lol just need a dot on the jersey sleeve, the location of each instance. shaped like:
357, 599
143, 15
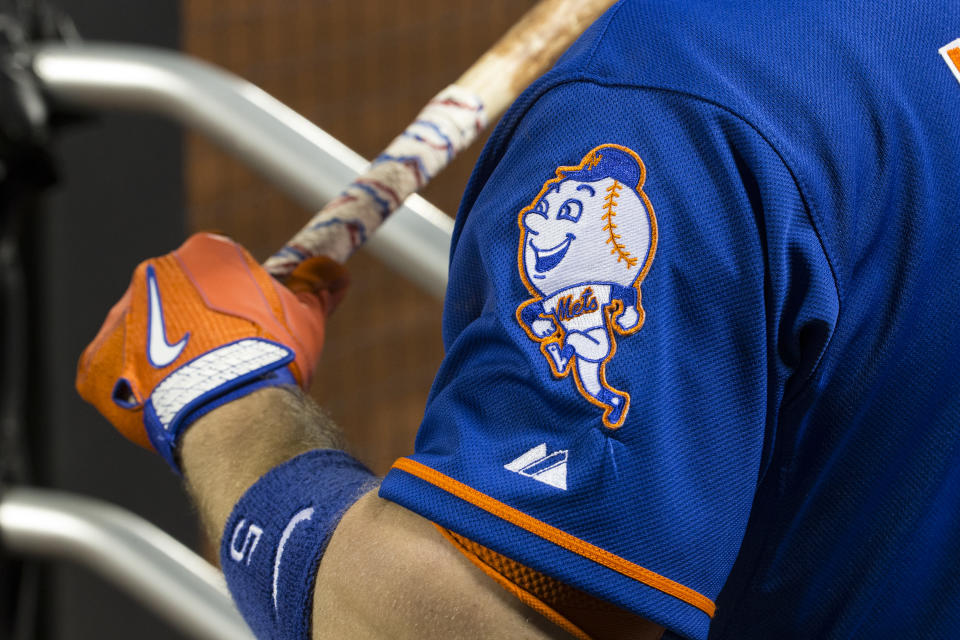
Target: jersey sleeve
636, 289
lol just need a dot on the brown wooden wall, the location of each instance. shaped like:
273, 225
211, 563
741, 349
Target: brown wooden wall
361, 69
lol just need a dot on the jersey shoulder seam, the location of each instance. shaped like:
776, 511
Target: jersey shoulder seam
609, 17
549, 84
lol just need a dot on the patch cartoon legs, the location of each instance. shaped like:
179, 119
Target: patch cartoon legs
591, 348
592, 345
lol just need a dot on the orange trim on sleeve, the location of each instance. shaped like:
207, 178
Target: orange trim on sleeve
556, 536
517, 591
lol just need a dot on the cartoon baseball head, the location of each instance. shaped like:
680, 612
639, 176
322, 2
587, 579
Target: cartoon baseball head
590, 223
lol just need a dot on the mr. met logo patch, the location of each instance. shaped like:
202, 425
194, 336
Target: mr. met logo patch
586, 243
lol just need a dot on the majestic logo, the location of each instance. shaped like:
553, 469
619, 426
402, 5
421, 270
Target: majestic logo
159, 351
586, 244
549, 469
951, 54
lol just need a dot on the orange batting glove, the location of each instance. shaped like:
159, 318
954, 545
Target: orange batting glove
199, 327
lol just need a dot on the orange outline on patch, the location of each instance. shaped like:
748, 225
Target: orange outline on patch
612, 310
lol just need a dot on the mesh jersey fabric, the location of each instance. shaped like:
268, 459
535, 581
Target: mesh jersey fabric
788, 452
571, 609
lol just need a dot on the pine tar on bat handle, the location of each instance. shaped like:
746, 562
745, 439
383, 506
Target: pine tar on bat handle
446, 126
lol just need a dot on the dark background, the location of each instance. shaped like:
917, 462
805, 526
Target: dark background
134, 186
119, 200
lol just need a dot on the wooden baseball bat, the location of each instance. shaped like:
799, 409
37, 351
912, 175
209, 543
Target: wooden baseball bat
446, 126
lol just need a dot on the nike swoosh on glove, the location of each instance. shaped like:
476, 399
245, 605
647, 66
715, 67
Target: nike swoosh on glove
199, 327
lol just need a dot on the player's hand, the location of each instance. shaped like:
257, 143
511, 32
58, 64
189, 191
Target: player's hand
542, 327
199, 327
628, 319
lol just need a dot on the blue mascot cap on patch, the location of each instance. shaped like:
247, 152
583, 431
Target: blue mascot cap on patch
612, 163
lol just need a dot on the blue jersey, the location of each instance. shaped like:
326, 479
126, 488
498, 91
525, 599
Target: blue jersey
702, 323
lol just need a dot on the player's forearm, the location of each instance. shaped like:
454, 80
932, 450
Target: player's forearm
226, 451
387, 572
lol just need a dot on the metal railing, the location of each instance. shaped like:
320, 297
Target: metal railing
302, 160
296, 155
159, 571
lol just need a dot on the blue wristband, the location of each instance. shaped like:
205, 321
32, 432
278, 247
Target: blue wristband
277, 533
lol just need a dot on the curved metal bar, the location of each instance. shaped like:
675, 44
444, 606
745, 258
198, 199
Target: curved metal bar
163, 574
299, 157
